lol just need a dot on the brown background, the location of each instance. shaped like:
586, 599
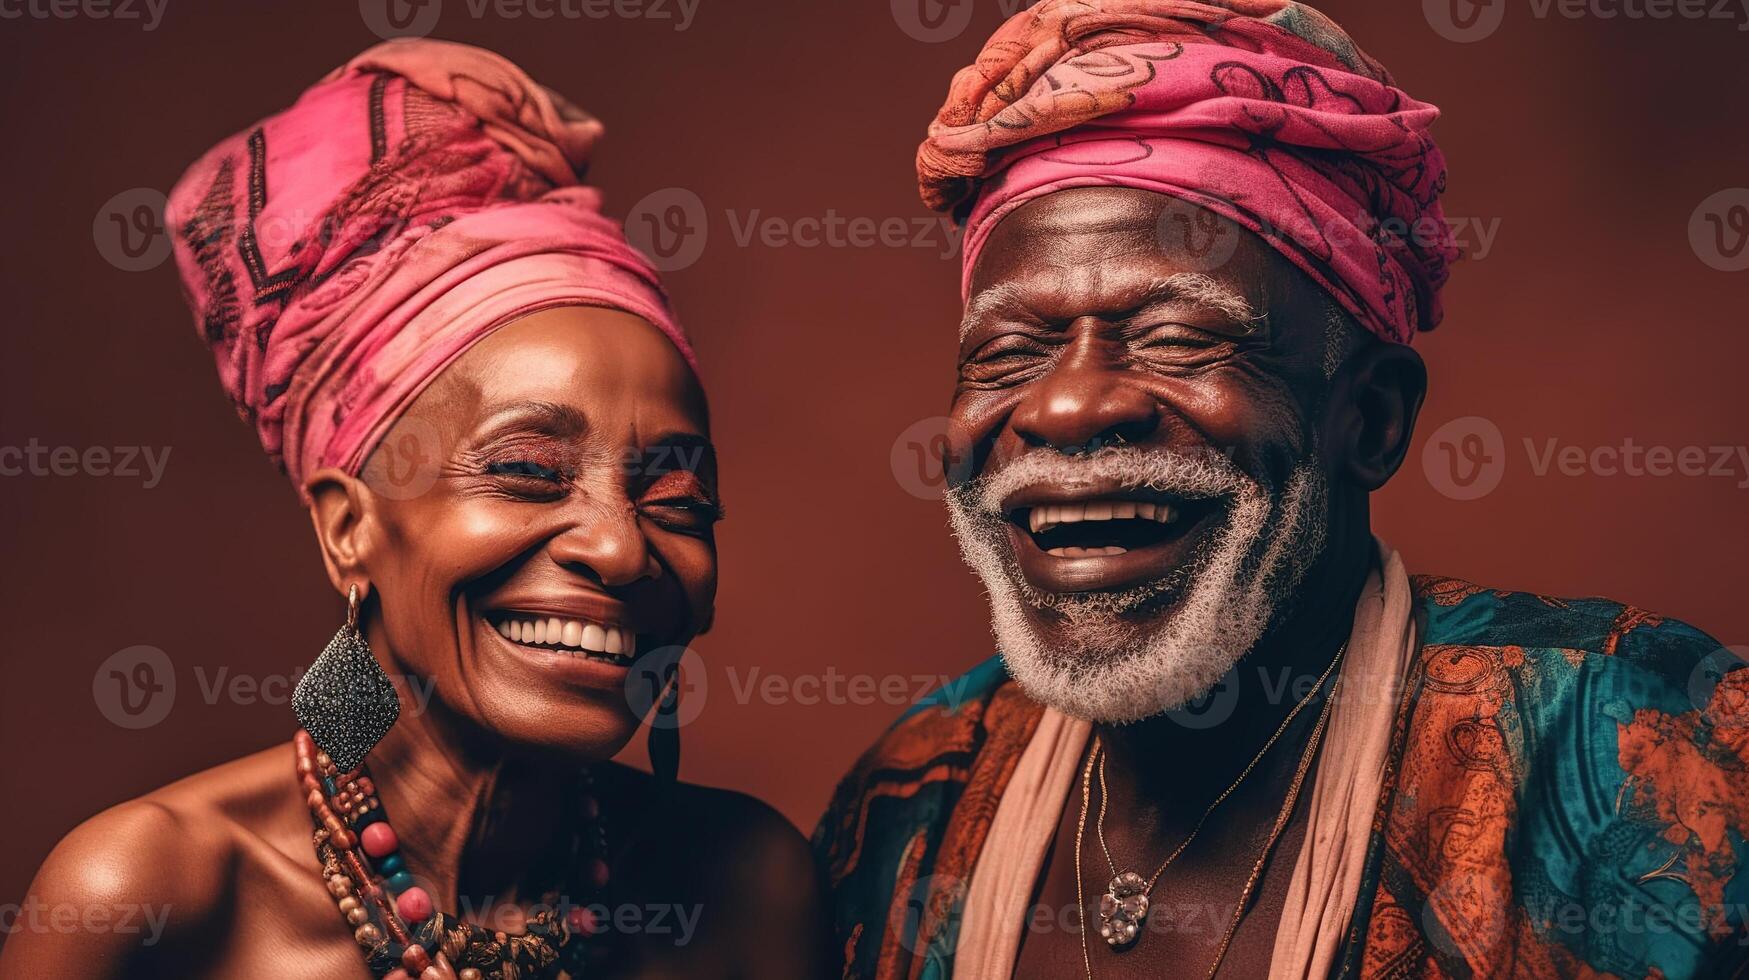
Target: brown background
1589, 142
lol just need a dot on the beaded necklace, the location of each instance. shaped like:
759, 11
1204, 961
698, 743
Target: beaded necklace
392, 917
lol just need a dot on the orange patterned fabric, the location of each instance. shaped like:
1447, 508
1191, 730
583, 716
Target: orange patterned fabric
1567, 796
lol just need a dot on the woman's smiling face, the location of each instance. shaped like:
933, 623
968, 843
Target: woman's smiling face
538, 521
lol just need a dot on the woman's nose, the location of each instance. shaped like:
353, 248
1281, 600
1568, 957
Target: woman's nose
608, 544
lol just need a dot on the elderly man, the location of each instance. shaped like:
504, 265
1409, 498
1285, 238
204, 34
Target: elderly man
1227, 734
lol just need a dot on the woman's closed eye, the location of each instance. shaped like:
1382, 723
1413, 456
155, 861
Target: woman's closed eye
523, 467
679, 501
528, 476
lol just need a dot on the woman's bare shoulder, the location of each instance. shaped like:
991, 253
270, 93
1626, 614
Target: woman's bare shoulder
129, 881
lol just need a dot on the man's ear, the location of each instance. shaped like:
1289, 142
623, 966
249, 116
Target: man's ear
1376, 396
342, 512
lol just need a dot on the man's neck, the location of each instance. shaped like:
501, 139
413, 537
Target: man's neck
1167, 769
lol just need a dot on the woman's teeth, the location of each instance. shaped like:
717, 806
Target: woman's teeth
593, 640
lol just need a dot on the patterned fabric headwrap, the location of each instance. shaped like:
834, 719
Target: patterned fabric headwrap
339, 254
1262, 111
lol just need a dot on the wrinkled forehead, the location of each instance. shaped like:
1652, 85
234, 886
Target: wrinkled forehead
1105, 250
613, 372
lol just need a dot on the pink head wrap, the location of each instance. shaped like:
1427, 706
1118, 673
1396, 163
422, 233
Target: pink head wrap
1262, 111
338, 255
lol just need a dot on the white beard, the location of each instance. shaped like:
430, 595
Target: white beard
1103, 666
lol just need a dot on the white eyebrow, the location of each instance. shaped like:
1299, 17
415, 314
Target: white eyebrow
1190, 287
987, 303
1203, 290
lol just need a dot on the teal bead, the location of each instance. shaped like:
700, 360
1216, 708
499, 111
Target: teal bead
390, 865
398, 882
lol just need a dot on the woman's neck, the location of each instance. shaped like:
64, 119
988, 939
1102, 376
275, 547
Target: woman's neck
471, 820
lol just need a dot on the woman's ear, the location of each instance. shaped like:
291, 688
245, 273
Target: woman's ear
1375, 398
342, 514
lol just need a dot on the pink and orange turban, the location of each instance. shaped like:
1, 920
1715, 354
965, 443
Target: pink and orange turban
1262, 111
338, 255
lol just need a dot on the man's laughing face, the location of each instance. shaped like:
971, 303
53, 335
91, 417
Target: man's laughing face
1147, 490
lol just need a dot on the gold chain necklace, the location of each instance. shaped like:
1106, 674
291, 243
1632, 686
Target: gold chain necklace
1124, 906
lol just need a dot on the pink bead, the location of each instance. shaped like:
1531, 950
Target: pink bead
591, 808
379, 839
598, 873
581, 920
414, 905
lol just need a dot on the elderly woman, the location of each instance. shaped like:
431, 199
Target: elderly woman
494, 421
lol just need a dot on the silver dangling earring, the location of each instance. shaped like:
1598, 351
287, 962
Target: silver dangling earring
345, 700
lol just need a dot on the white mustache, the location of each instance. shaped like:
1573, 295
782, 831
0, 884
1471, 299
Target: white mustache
1190, 476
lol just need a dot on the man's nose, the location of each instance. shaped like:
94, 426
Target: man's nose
1087, 400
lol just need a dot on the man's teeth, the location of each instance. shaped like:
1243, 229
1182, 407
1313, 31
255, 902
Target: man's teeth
1043, 518
1110, 549
588, 637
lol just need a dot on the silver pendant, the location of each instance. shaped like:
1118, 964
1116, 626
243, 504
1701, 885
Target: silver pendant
1122, 909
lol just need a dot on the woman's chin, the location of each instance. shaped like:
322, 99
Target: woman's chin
585, 734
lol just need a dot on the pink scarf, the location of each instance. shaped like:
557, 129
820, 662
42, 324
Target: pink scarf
1262, 111
339, 254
